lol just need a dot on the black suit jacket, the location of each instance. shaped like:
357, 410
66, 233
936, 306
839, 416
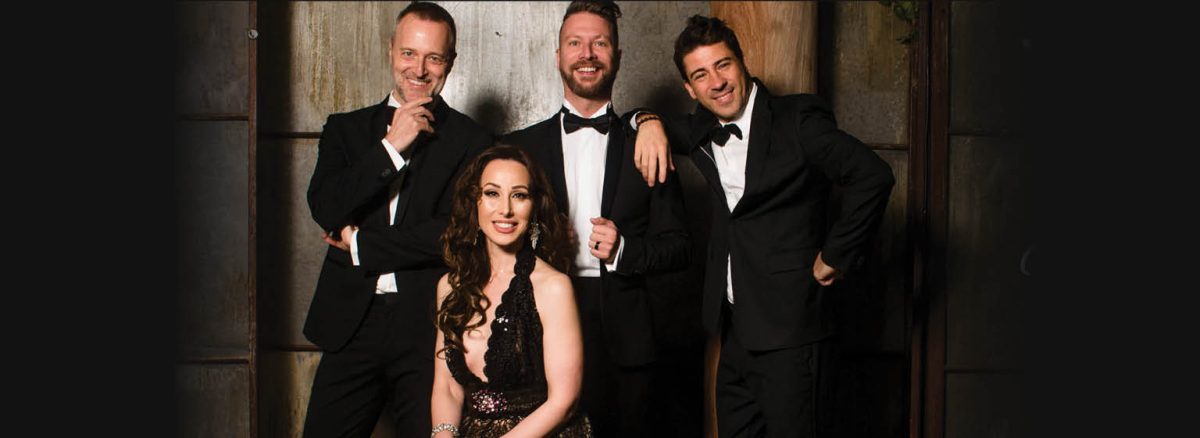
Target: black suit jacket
650, 220
350, 186
796, 154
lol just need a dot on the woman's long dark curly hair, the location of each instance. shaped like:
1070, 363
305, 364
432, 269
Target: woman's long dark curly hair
464, 246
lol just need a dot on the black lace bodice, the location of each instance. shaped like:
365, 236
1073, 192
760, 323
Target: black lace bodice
513, 361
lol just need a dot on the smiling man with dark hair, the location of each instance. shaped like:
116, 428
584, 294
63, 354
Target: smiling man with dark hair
772, 162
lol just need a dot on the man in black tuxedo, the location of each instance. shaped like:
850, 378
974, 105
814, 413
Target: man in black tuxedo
382, 190
624, 229
771, 162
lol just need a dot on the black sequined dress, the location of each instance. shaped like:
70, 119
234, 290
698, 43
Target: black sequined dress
514, 369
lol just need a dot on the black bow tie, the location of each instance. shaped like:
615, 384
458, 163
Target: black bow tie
720, 134
572, 123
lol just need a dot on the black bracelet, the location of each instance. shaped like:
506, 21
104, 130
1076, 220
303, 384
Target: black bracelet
646, 118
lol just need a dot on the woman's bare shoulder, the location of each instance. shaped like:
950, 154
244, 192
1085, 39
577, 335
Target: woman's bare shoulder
549, 281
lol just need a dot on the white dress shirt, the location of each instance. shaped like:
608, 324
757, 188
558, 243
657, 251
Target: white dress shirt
386, 282
731, 167
584, 154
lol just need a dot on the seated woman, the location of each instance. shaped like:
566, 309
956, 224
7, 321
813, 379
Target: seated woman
509, 357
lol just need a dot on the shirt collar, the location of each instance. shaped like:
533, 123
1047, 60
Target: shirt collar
571, 108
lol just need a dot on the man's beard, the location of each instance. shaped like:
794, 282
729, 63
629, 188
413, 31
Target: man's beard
600, 89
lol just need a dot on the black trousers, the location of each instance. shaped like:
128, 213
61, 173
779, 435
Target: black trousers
774, 393
614, 397
390, 358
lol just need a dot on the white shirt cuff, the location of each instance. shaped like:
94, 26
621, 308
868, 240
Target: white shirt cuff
354, 248
633, 124
612, 267
397, 160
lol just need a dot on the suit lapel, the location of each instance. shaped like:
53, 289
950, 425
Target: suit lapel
380, 117
551, 130
701, 148
760, 141
434, 158
612, 167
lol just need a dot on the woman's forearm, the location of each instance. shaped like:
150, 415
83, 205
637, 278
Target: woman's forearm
544, 419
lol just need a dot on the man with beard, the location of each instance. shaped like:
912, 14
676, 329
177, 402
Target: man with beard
382, 190
624, 229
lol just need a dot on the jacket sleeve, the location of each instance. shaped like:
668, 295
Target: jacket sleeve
342, 184
666, 245
865, 181
676, 126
